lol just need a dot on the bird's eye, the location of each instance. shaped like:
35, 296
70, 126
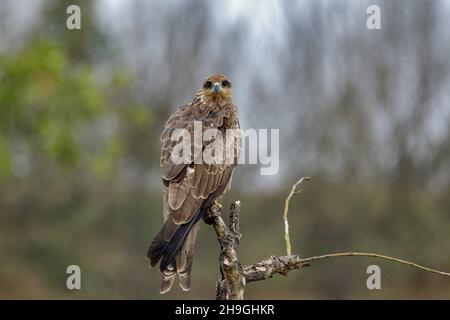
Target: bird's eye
225, 83
208, 84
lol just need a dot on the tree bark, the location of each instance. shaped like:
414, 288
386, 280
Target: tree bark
231, 284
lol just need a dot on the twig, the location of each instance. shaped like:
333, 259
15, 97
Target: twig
373, 255
283, 264
293, 192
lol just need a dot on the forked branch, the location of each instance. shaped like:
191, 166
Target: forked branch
233, 278
231, 284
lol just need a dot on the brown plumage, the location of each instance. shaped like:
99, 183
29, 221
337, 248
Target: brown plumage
190, 188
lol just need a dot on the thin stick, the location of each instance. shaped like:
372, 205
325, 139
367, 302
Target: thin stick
293, 192
373, 255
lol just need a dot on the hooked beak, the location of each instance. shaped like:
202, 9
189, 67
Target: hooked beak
217, 87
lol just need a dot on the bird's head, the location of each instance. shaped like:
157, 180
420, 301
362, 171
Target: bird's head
217, 87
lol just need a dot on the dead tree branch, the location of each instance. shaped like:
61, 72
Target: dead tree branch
234, 277
283, 264
293, 192
231, 284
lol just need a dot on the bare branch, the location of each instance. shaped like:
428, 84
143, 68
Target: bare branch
283, 264
235, 210
231, 284
293, 192
272, 265
233, 278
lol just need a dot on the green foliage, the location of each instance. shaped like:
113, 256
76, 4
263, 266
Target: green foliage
5, 159
46, 102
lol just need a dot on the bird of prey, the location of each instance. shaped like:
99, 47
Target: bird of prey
191, 188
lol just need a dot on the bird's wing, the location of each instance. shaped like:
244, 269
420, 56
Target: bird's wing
190, 184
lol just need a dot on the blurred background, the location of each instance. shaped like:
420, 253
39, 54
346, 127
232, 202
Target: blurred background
365, 113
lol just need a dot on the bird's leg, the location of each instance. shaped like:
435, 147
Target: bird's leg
216, 206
